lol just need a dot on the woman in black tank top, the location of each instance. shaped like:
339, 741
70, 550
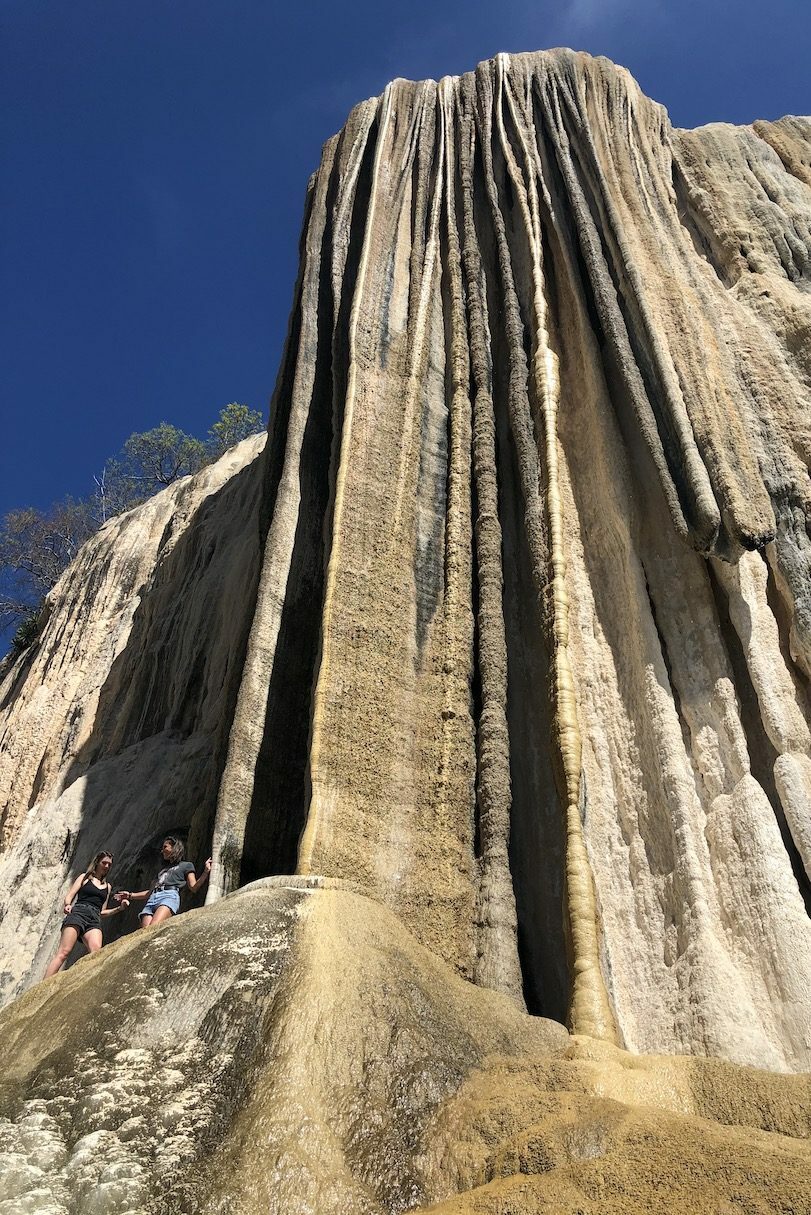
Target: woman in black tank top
85, 904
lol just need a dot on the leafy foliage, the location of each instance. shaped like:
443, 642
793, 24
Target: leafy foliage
29, 629
36, 546
235, 423
158, 457
146, 464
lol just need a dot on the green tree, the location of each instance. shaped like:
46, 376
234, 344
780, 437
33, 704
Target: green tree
35, 547
148, 462
235, 423
155, 458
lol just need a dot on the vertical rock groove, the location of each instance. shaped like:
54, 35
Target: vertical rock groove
458, 608
589, 1012
496, 913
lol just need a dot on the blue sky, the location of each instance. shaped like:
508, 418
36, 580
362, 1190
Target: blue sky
155, 155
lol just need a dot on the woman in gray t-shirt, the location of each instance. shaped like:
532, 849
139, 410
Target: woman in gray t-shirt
163, 897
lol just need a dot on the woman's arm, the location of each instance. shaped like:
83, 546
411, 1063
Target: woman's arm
74, 890
193, 882
132, 894
122, 903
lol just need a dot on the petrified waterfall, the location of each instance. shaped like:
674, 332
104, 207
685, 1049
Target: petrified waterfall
494, 660
537, 476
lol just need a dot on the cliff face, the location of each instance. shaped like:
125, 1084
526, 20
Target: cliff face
114, 725
507, 629
539, 490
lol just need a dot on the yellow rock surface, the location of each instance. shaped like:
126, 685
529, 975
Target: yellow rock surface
499, 649
295, 1049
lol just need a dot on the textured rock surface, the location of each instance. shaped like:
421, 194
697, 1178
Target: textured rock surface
113, 727
290, 1050
552, 358
510, 625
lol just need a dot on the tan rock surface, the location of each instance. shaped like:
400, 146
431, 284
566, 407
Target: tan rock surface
293, 1050
508, 630
113, 726
554, 387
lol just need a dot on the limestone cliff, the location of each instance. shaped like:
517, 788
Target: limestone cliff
114, 724
506, 631
539, 490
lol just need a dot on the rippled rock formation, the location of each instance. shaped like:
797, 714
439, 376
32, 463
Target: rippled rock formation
295, 1050
539, 485
508, 631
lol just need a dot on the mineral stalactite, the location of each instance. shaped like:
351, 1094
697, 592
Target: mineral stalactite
508, 627
560, 407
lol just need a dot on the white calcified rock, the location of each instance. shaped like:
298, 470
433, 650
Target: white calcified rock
510, 626
113, 724
293, 1048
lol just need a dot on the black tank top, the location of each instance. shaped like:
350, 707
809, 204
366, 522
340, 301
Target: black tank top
91, 893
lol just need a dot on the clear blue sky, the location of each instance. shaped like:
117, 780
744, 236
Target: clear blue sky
155, 155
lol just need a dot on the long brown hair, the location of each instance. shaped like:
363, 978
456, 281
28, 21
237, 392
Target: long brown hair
177, 848
91, 869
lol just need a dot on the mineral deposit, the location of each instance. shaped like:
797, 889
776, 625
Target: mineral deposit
485, 681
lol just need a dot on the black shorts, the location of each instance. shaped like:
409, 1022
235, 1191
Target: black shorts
82, 917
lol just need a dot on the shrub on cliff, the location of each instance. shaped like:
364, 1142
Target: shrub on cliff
37, 545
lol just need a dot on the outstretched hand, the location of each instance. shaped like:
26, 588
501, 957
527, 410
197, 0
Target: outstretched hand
122, 896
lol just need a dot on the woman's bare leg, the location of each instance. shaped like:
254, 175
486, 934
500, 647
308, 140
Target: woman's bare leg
66, 942
162, 913
92, 939
145, 920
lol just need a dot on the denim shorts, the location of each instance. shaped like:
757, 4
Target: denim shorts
161, 898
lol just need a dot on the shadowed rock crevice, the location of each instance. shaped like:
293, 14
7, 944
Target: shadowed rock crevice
536, 821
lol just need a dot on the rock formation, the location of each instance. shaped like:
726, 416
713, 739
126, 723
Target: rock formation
502, 647
115, 723
294, 1050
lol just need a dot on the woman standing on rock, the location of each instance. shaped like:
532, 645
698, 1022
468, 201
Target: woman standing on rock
85, 904
163, 898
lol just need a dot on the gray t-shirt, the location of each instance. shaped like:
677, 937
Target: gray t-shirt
175, 876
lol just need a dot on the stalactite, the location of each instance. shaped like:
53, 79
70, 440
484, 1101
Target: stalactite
682, 475
236, 789
246, 731
314, 818
423, 266
497, 962
457, 655
589, 1009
